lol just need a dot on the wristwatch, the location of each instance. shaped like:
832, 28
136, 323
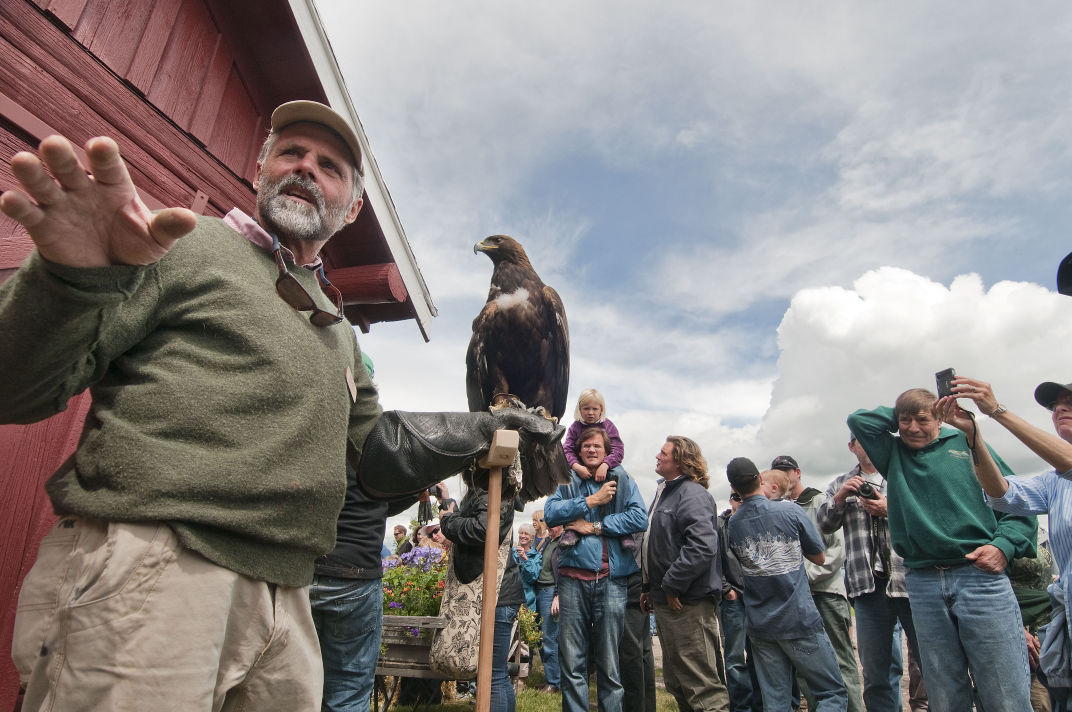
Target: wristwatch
598, 526
998, 411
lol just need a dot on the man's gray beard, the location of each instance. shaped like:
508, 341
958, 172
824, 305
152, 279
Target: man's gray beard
296, 220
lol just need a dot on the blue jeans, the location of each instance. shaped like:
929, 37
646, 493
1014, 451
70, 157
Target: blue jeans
549, 628
348, 615
591, 610
879, 647
738, 678
502, 690
968, 620
813, 657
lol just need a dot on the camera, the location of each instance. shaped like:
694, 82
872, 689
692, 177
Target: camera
944, 379
867, 491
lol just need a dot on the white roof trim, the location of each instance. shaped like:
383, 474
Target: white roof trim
338, 96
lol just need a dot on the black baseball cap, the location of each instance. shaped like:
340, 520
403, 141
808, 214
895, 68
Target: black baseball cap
1046, 394
784, 462
741, 471
1064, 276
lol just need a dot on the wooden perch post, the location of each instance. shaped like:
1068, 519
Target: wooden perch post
501, 454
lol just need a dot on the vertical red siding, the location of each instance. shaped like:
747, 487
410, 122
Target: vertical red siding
152, 44
66, 11
209, 103
239, 129
182, 69
174, 53
113, 42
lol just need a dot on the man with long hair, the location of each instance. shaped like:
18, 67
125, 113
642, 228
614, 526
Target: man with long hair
682, 569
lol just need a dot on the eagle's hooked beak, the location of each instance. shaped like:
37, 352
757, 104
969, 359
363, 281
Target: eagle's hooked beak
480, 247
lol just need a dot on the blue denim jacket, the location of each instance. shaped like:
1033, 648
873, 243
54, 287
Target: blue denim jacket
625, 514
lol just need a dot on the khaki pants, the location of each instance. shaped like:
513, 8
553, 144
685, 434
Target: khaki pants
693, 668
116, 616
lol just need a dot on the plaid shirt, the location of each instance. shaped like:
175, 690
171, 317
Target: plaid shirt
866, 538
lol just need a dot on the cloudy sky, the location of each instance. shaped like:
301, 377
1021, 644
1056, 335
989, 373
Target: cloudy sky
760, 216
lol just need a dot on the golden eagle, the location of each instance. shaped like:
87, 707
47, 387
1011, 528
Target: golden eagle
520, 341
520, 346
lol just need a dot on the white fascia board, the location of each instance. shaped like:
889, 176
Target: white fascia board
327, 68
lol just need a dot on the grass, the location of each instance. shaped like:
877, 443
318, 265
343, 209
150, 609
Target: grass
530, 700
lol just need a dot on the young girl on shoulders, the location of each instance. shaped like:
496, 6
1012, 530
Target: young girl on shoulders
591, 411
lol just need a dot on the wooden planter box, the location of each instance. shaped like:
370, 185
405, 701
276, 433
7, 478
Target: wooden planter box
403, 654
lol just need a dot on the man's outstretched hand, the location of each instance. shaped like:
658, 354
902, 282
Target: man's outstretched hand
93, 220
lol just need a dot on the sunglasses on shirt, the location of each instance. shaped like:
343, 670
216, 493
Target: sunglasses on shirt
290, 289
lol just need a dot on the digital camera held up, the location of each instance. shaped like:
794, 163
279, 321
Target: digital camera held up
867, 491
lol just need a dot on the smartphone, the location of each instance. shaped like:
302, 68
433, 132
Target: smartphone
945, 382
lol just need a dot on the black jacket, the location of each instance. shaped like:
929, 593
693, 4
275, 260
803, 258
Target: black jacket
467, 529
683, 555
732, 573
359, 534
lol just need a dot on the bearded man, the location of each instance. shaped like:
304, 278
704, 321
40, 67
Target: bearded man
227, 389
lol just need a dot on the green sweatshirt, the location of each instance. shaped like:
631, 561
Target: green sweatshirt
217, 407
937, 512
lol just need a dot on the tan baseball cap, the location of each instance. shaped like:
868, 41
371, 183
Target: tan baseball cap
293, 112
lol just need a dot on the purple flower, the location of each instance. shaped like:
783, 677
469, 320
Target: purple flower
423, 557
394, 604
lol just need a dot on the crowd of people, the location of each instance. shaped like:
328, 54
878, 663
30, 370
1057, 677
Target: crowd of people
205, 491
756, 606
929, 536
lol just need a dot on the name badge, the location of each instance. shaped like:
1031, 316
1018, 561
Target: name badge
351, 385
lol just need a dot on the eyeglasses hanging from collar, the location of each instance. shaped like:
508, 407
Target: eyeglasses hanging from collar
294, 294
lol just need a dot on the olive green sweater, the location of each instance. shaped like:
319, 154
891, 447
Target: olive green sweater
937, 512
217, 408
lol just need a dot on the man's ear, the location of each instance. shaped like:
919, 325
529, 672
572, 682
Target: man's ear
351, 214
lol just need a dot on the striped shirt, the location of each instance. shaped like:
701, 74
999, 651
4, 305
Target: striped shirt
1050, 493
